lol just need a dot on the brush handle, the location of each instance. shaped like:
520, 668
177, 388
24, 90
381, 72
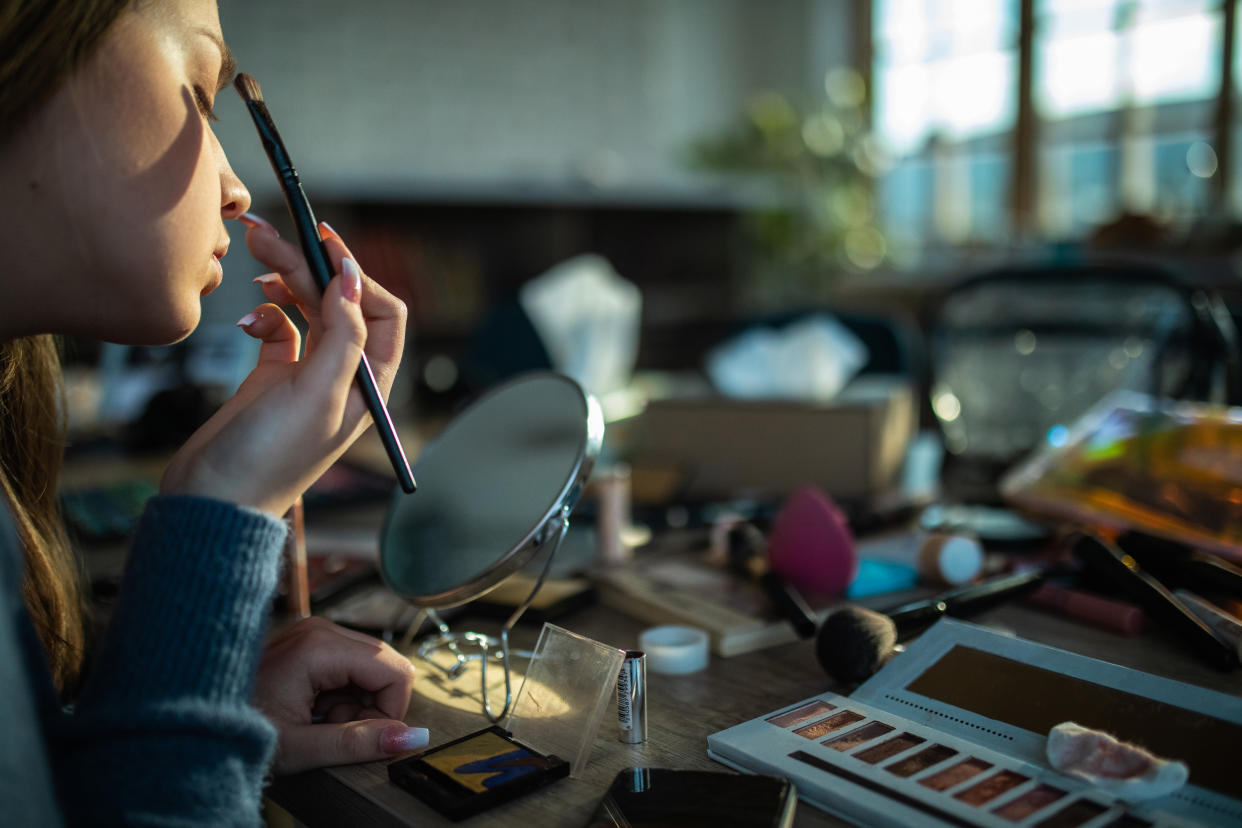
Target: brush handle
963, 601
321, 269
1161, 604
788, 604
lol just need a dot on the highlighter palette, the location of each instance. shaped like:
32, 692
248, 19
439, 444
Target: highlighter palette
955, 736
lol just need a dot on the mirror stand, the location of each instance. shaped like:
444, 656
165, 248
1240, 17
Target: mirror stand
486, 647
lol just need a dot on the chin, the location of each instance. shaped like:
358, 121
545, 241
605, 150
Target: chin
172, 329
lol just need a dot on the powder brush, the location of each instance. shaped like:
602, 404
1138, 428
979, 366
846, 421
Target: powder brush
853, 642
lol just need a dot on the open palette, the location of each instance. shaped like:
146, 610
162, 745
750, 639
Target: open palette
953, 732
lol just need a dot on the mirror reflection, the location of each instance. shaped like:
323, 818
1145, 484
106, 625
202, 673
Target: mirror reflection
492, 487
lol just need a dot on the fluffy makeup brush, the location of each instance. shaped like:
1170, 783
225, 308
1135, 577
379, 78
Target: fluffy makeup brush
853, 643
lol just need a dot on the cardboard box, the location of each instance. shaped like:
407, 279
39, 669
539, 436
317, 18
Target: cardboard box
850, 447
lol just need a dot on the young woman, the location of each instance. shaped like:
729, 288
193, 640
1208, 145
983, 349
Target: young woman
113, 197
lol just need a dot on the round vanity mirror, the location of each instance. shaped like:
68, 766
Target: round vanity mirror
495, 486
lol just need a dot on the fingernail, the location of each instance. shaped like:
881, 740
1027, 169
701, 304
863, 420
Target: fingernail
255, 220
249, 319
351, 287
266, 278
399, 738
325, 229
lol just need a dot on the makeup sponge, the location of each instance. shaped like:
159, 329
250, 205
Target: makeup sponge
811, 546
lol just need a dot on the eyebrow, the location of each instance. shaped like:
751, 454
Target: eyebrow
228, 64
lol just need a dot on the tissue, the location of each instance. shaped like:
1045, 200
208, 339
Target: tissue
1126, 771
810, 359
588, 318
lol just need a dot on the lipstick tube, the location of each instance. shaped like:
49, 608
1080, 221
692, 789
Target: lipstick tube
632, 698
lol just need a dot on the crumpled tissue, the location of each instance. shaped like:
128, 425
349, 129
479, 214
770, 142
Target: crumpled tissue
1126, 771
588, 318
812, 358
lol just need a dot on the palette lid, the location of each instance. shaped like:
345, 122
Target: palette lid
570, 680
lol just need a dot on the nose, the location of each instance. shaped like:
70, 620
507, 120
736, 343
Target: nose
234, 197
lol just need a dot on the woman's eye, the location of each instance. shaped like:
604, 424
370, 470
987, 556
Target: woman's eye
204, 104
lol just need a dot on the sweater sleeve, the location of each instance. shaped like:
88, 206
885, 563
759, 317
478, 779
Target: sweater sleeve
164, 731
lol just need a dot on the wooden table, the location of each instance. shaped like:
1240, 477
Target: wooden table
682, 711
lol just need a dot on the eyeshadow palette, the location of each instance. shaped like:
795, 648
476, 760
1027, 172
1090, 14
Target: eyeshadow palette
946, 737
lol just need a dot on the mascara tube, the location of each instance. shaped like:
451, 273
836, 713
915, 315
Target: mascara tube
632, 698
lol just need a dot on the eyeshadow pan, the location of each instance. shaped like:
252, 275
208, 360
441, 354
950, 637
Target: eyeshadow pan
920, 761
828, 725
801, 714
851, 740
990, 788
892, 747
960, 772
1036, 799
1073, 815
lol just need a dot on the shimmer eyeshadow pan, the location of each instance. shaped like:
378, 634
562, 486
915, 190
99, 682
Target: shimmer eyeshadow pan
828, 725
892, 747
1073, 815
951, 776
990, 788
802, 714
1036, 799
851, 740
921, 761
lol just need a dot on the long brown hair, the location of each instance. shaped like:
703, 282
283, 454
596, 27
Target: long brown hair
41, 42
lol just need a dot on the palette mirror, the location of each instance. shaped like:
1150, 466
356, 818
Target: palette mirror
496, 487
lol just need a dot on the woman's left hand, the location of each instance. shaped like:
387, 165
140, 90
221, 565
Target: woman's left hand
296, 413
335, 696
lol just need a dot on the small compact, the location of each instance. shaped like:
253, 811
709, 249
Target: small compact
474, 773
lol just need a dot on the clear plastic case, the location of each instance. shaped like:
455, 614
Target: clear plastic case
570, 681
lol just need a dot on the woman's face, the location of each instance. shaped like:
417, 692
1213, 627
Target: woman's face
123, 185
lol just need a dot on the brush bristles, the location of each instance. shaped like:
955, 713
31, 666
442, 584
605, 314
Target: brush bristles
248, 87
854, 642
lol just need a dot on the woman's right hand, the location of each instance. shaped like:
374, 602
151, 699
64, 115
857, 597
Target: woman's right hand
295, 414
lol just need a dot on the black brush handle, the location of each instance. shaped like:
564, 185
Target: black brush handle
964, 601
1155, 599
788, 603
320, 266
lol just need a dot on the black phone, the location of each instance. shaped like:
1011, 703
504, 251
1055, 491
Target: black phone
650, 797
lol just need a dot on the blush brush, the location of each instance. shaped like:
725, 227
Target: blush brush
319, 263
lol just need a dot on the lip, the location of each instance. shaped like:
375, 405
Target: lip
217, 275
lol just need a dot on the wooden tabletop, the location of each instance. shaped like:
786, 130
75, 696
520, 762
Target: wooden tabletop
682, 711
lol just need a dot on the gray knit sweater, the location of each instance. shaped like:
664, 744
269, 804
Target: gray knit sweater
163, 732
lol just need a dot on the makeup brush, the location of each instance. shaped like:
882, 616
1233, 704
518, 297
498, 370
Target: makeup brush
748, 557
854, 642
1106, 559
319, 263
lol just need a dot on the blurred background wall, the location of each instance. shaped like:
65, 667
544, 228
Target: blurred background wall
736, 158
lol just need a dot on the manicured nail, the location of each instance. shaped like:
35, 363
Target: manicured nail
399, 738
249, 319
325, 229
351, 287
255, 220
266, 278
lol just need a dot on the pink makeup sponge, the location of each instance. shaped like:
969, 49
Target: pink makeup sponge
811, 545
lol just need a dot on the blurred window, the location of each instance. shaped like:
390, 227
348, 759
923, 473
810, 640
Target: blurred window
945, 73
1123, 91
